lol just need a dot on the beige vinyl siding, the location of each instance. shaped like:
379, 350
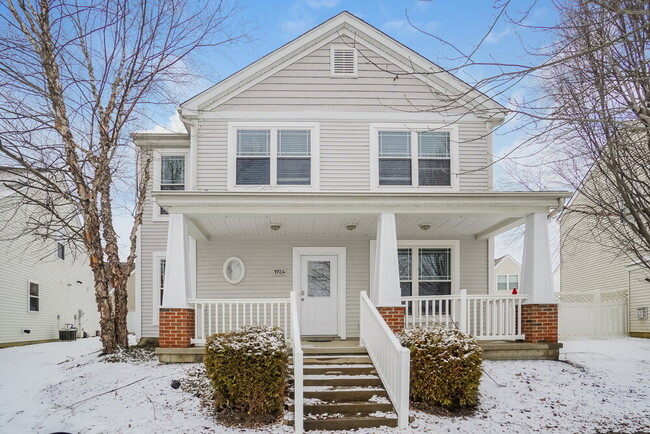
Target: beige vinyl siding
344, 155
306, 85
639, 297
154, 239
587, 265
262, 256
25, 258
474, 263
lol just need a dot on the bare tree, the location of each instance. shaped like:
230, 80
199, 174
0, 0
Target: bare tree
583, 112
75, 78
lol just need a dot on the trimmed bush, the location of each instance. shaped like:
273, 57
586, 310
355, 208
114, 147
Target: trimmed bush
445, 367
248, 369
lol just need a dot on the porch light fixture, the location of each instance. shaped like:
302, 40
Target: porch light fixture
275, 226
351, 226
425, 226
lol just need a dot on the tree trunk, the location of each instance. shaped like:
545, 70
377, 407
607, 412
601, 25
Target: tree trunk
121, 310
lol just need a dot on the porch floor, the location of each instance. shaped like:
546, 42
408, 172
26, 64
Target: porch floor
492, 350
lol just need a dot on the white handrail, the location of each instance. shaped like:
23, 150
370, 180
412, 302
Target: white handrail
297, 365
390, 358
224, 315
483, 316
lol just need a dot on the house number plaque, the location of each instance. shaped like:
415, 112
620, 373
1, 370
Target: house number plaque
280, 272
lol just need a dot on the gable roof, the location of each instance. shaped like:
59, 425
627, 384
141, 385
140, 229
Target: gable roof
348, 24
504, 257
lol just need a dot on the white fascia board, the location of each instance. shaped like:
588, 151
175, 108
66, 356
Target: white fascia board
515, 204
159, 140
316, 116
350, 26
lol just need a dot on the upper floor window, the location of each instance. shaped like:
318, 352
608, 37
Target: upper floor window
420, 158
282, 157
172, 172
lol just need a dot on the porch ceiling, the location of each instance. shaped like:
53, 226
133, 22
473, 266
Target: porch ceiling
450, 215
335, 225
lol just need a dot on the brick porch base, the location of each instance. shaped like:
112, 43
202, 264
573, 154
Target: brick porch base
539, 322
394, 317
176, 327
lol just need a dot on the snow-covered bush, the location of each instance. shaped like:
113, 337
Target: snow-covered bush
445, 366
248, 369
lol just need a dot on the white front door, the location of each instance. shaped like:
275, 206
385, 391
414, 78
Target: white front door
319, 295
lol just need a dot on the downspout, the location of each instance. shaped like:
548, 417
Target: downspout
560, 207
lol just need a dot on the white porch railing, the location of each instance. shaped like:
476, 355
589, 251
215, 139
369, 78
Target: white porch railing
297, 365
220, 316
482, 316
390, 358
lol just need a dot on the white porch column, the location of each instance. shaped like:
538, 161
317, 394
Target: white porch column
386, 292
536, 273
177, 266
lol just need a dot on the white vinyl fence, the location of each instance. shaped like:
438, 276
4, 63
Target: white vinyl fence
592, 315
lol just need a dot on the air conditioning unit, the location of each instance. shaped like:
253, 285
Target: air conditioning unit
642, 313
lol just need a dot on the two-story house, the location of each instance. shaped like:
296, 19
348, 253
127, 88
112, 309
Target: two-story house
329, 168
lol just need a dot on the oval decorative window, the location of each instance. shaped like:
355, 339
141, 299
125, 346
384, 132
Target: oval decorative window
234, 270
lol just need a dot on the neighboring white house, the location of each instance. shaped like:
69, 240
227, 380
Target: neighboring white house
43, 287
507, 272
592, 273
311, 170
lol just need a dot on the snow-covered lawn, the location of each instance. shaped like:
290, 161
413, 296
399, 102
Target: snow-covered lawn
61, 387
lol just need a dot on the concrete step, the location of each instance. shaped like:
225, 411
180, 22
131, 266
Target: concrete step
339, 370
348, 422
344, 393
362, 408
337, 360
337, 380
332, 350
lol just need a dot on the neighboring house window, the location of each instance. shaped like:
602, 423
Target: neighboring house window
273, 157
414, 158
34, 297
507, 282
343, 61
425, 271
172, 173
60, 250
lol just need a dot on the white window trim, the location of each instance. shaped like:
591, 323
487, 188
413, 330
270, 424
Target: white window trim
333, 74
508, 281
243, 270
157, 257
454, 245
313, 127
157, 154
340, 252
29, 282
413, 128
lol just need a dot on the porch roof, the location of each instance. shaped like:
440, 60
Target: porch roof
479, 215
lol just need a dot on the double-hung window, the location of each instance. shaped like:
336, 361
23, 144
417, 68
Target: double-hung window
171, 173
273, 157
34, 297
507, 282
424, 271
414, 158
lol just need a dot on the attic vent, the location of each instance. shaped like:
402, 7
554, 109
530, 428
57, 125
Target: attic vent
343, 62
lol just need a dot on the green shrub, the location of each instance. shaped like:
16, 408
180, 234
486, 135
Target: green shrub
248, 369
445, 366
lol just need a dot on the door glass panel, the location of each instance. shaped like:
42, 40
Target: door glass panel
318, 278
